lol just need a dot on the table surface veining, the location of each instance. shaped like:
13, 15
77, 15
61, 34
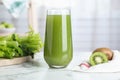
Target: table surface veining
37, 69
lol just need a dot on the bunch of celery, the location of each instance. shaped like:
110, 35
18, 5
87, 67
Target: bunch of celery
15, 45
9, 48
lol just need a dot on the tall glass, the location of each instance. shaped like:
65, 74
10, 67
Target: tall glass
58, 38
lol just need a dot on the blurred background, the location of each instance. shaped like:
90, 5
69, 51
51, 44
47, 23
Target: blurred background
95, 23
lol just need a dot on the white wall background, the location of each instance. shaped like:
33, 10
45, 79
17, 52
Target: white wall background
95, 23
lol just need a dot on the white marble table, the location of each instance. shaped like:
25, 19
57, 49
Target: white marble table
38, 70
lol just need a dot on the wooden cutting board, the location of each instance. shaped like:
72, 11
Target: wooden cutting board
19, 60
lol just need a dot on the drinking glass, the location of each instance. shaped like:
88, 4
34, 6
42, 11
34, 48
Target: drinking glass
58, 47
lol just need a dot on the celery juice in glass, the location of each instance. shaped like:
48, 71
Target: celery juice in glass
58, 48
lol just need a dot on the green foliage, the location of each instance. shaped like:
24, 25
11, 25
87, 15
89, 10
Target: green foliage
16, 45
6, 25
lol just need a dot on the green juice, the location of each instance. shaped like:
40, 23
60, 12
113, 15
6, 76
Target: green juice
58, 41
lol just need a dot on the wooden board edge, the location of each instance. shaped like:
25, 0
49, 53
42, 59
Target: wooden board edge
14, 61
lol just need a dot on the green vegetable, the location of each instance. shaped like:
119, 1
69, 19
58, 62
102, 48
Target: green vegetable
2, 54
16, 46
31, 43
6, 25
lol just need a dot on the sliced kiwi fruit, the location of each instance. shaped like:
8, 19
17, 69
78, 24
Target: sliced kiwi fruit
98, 58
107, 51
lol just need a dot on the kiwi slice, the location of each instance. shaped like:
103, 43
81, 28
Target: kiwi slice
98, 58
106, 51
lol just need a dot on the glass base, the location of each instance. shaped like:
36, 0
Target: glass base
56, 67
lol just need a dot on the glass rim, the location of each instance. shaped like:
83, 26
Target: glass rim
57, 11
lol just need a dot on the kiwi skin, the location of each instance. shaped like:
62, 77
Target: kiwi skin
107, 51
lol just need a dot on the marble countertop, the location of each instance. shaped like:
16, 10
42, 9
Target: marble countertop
39, 70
